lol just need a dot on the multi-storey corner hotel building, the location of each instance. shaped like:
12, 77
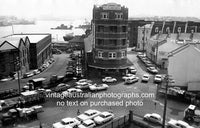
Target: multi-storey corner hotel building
110, 31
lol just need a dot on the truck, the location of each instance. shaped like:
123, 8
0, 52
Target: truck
192, 113
17, 114
7, 104
32, 97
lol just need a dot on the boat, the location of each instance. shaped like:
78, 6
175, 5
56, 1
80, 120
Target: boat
65, 27
68, 37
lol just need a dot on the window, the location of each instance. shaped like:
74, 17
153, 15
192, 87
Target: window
123, 28
112, 55
123, 42
100, 54
118, 15
167, 29
156, 29
104, 15
100, 29
179, 29
113, 43
113, 29
123, 54
100, 42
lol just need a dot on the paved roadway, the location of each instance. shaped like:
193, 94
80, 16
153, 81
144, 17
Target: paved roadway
53, 113
56, 68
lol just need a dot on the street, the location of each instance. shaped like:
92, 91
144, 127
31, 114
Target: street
142, 97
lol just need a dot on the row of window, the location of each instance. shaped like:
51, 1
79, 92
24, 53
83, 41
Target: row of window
111, 42
167, 29
112, 55
105, 15
113, 29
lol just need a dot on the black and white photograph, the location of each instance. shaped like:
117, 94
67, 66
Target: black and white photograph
99, 64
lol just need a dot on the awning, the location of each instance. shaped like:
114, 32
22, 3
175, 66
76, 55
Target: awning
104, 66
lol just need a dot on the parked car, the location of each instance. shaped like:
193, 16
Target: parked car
132, 69
59, 125
152, 70
70, 122
62, 87
131, 80
127, 76
103, 117
84, 85
96, 87
28, 74
144, 59
87, 124
145, 78
140, 54
83, 81
72, 91
109, 79
158, 78
89, 114
36, 71
148, 63
178, 124
154, 118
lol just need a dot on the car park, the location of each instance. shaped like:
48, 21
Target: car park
178, 124
96, 87
152, 70
154, 118
87, 124
131, 80
109, 79
158, 78
89, 114
127, 76
103, 117
145, 78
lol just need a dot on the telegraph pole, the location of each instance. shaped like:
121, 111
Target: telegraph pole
168, 80
18, 78
143, 38
165, 104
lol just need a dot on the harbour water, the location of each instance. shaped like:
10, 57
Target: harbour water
44, 26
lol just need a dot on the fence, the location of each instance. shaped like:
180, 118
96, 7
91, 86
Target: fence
126, 121
119, 122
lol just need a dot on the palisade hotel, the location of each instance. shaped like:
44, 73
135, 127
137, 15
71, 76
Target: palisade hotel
110, 31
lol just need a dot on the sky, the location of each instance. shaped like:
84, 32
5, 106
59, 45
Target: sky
73, 9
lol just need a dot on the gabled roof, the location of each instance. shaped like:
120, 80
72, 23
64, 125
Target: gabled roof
181, 48
7, 43
33, 37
